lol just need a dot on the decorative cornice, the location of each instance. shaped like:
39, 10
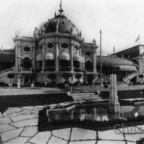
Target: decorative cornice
23, 40
60, 35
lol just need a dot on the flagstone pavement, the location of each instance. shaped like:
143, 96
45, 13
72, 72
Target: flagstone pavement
19, 125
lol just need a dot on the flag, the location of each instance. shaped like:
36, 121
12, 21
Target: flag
138, 38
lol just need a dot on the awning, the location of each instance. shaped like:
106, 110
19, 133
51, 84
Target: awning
39, 57
49, 56
78, 58
125, 68
26, 56
64, 56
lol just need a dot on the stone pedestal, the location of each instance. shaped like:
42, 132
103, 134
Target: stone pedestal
114, 106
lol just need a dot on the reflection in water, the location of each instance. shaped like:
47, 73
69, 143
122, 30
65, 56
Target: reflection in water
98, 114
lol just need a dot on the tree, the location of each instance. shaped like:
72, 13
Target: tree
52, 76
10, 75
66, 76
78, 76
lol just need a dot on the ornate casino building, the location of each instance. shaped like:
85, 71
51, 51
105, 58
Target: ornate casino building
57, 52
58, 47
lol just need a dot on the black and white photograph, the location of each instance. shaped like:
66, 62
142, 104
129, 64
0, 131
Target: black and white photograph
71, 72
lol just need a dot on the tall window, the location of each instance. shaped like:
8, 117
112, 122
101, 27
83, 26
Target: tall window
39, 64
50, 63
64, 63
26, 62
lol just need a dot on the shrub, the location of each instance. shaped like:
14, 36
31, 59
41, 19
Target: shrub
60, 85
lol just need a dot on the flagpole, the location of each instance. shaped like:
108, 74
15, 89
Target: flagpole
100, 62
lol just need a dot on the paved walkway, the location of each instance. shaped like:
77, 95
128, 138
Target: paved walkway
27, 90
44, 90
19, 125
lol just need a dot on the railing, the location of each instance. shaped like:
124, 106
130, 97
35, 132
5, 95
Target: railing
129, 77
7, 70
105, 76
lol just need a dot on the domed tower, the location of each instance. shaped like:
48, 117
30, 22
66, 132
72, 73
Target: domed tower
59, 47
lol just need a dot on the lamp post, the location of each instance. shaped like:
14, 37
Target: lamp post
18, 78
100, 62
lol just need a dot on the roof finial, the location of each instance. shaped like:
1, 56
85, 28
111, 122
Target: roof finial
61, 10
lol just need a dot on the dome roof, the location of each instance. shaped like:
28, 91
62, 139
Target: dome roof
59, 24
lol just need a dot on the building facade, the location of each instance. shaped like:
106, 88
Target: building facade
56, 47
57, 52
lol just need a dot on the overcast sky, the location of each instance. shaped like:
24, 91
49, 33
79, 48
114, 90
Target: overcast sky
121, 21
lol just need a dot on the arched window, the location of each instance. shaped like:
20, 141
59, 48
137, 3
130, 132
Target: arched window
76, 64
64, 61
27, 62
49, 61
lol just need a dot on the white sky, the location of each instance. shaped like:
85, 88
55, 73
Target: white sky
121, 21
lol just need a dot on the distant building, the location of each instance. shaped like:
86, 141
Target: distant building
135, 54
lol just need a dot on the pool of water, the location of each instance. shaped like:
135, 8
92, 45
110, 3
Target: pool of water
98, 113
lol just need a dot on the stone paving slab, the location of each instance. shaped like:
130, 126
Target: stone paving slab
29, 131
41, 138
12, 115
55, 140
110, 135
62, 133
5, 120
140, 128
111, 142
30, 122
40, 107
12, 111
15, 109
130, 142
82, 134
18, 140
10, 134
23, 117
83, 142
29, 107
6, 127
26, 112
133, 137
